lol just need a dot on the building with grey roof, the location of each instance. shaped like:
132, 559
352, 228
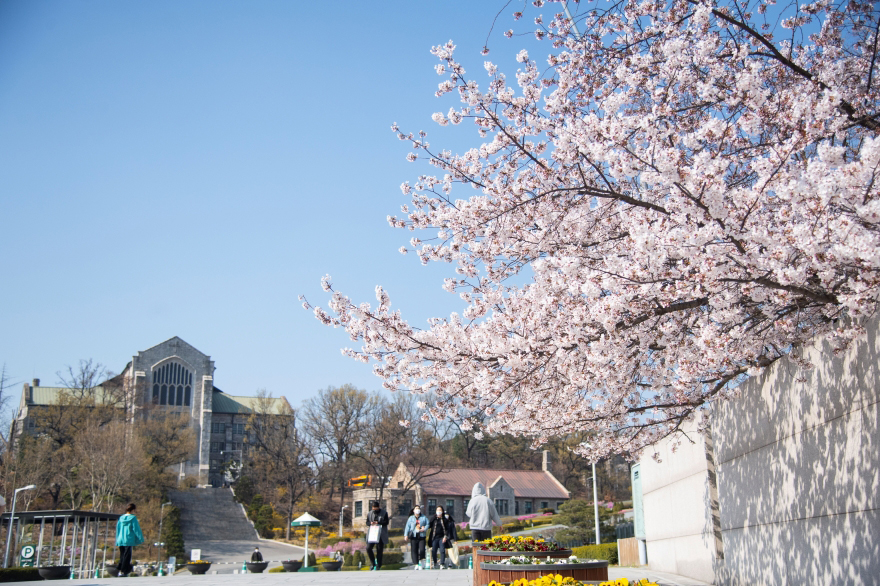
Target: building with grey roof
171, 377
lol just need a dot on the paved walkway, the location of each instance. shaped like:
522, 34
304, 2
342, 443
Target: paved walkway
227, 556
387, 578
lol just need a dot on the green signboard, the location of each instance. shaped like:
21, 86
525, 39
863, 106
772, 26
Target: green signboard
27, 556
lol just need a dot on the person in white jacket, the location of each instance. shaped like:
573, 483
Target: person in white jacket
481, 514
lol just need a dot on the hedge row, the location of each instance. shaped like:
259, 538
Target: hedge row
19, 574
604, 551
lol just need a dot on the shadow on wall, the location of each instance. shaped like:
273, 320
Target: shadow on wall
798, 469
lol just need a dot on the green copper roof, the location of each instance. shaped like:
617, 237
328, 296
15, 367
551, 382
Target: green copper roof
50, 395
223, 403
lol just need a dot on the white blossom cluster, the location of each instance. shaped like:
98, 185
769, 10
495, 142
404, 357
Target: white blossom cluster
690, 200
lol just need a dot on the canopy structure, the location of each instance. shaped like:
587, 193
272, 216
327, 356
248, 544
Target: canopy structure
306, 521
65, 538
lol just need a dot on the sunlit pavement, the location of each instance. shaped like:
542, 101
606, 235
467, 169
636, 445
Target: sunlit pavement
366, 578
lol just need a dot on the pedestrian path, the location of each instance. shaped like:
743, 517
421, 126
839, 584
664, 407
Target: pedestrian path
384, 578
213, 522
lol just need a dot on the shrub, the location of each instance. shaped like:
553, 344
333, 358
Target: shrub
358, 557
277, 570
392, 557
390, 543
334, 540
312, 559
172, 535
603, 551
348, 560
190, 482
17, 574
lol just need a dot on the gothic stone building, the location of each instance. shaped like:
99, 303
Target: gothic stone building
172, 377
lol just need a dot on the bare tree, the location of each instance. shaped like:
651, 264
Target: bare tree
108, 461
279, 452
394, 433
335, 419
82, 380
167, 439
5, 411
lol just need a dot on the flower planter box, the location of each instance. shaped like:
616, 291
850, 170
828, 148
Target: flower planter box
481, 576
198, 568
292, 565
257, 567
332, 566
508, 573
54, 572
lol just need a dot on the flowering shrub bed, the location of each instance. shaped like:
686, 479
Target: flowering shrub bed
511, 543
557, 580
342, 546
533, 516
520, 560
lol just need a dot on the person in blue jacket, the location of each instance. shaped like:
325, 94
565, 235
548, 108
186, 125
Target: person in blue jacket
414, 532
128, 535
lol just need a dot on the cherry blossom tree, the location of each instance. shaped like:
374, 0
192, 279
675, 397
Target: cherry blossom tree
676, 196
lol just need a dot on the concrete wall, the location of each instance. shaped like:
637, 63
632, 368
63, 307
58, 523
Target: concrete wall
798, 458
677, 496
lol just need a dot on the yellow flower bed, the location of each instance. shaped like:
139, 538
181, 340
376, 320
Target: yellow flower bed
557, 580
512, 543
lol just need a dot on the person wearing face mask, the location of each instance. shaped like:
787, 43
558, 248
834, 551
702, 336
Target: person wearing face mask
438, 536
377, 516
414, 533
451, 550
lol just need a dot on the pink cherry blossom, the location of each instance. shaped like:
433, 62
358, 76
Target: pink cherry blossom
668, 204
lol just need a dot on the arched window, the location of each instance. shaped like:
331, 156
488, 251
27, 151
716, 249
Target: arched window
172, 385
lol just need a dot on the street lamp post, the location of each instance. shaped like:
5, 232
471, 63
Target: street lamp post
341, 511
595, 500
596, 505
11, 519
159, 544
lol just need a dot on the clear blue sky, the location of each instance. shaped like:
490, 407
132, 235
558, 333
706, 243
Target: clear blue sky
188, 168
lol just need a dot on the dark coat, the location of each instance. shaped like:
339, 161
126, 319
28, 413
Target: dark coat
440, 528
382, 519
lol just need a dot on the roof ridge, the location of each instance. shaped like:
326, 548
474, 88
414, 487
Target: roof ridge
495, 469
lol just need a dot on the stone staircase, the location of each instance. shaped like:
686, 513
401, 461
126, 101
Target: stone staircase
211, 514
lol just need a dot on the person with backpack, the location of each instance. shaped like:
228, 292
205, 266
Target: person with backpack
414, 533
128, 535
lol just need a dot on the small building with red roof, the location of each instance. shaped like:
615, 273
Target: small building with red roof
514, 492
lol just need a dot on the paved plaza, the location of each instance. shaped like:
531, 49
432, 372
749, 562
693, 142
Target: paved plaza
227, 556
365, 578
